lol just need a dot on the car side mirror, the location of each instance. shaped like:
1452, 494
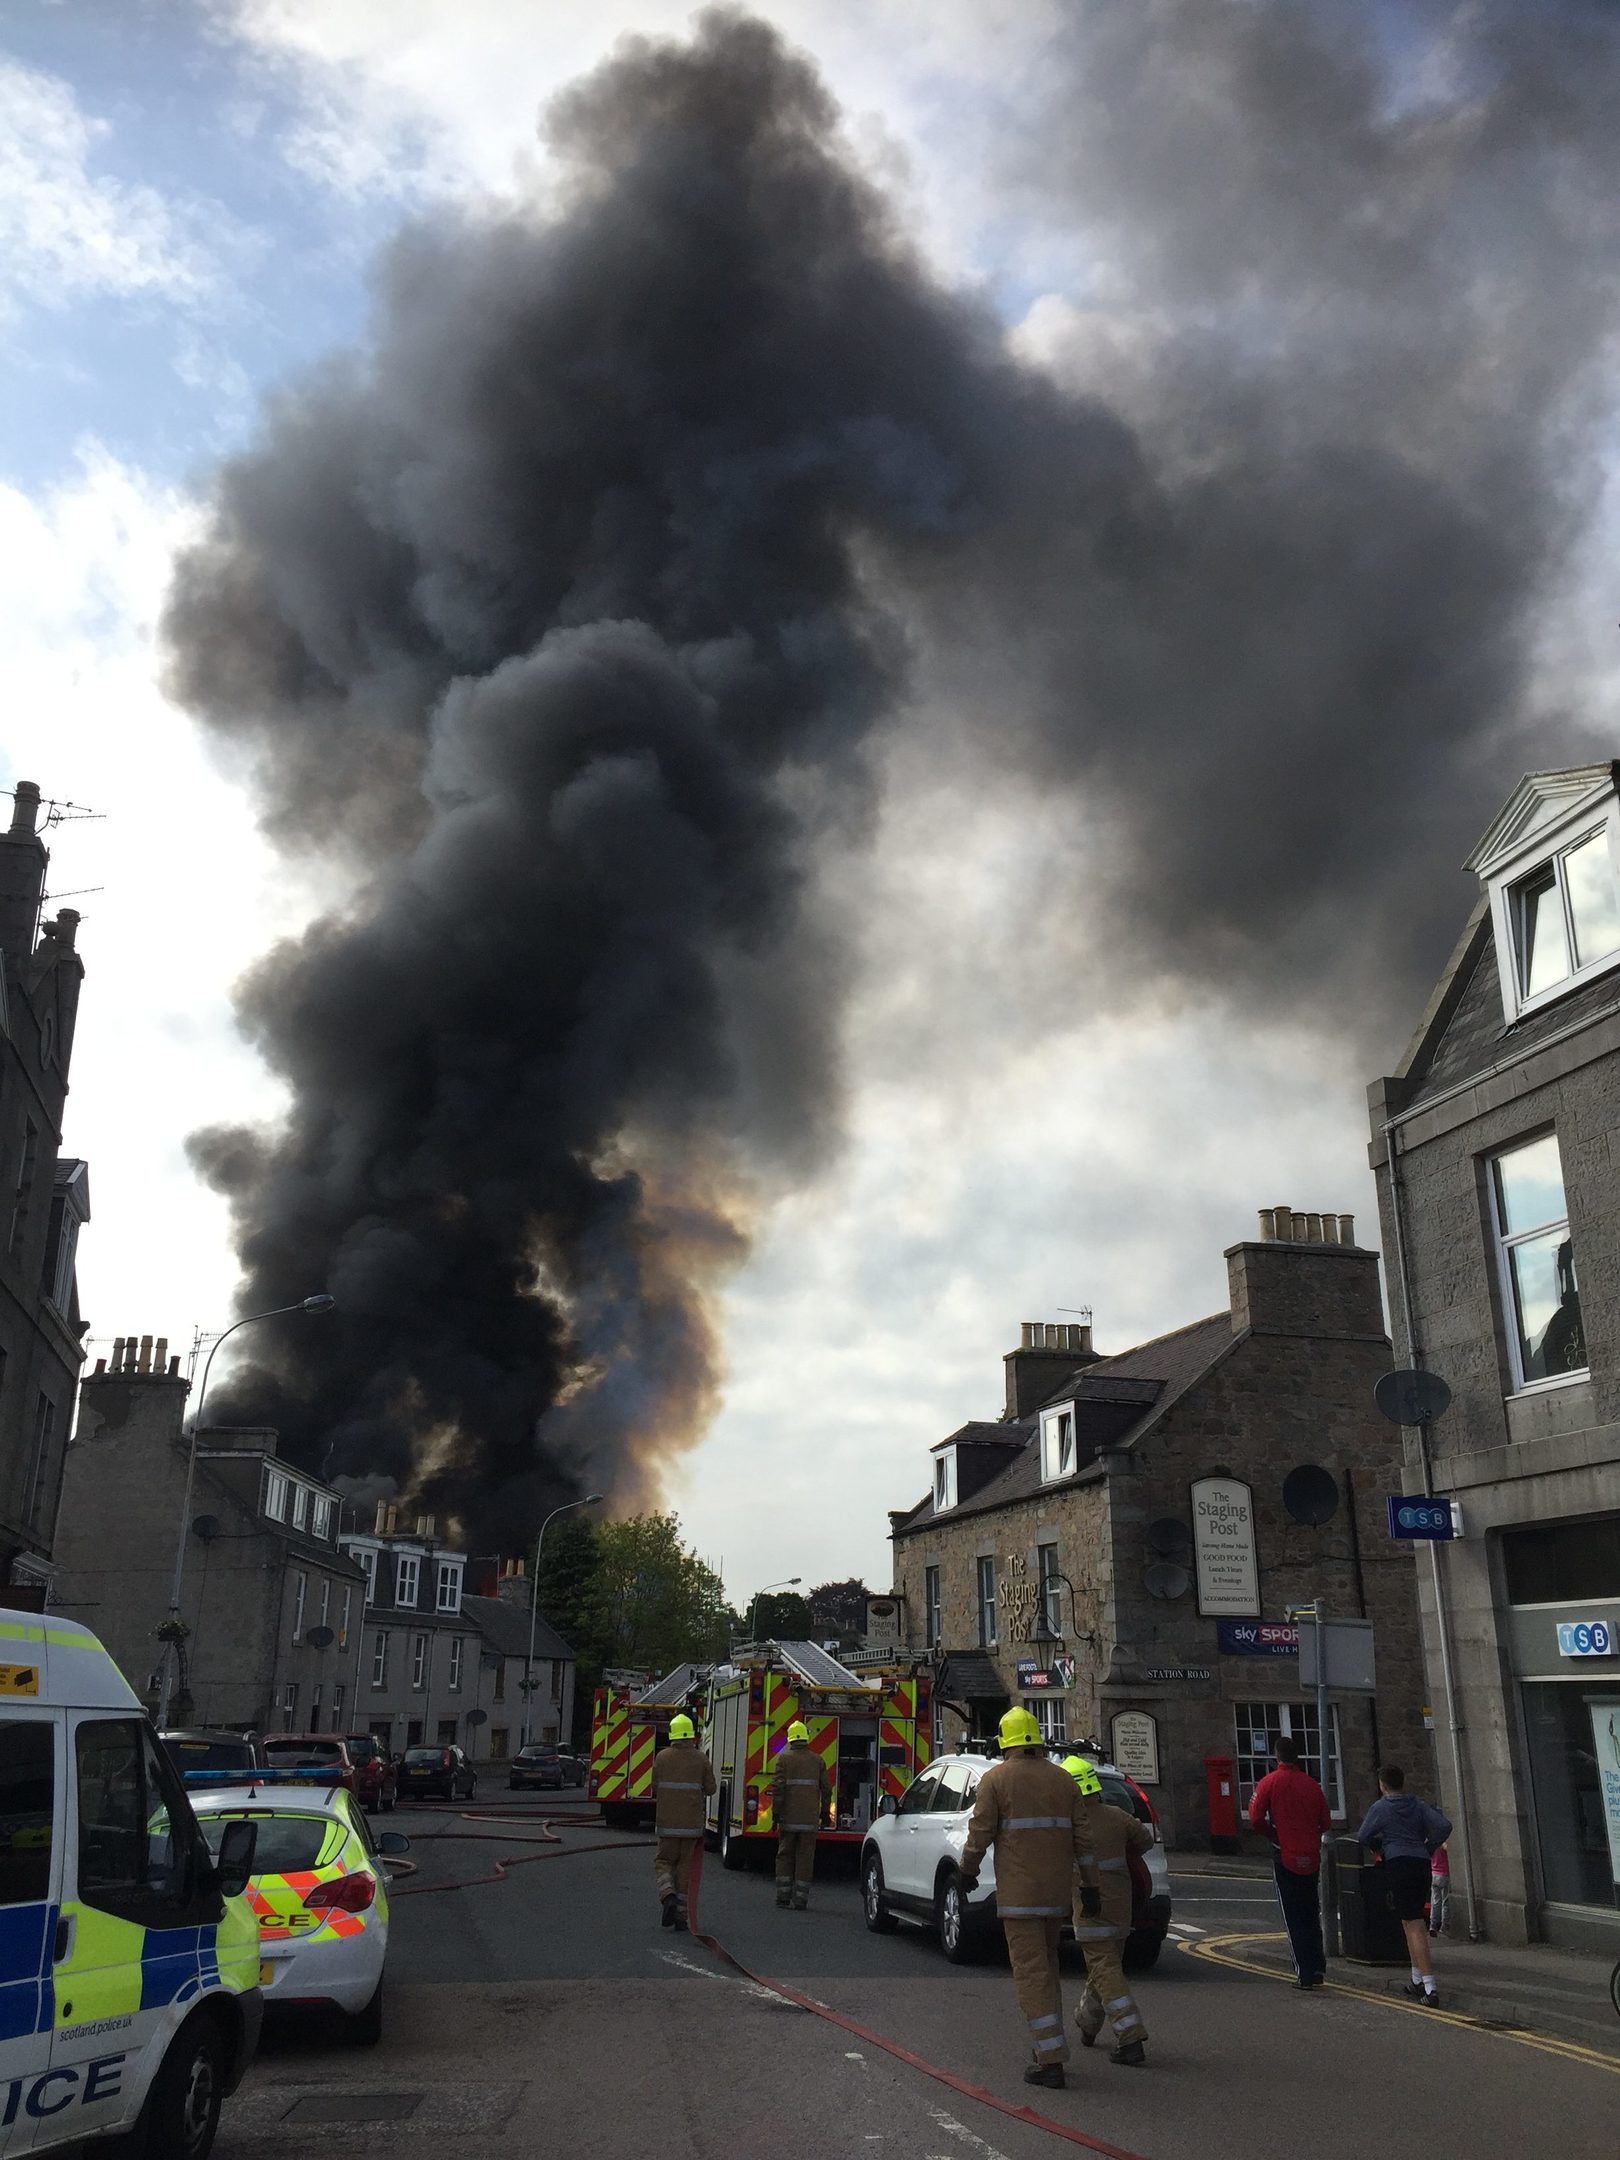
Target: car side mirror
235, 1862
888, 1805
393, 1844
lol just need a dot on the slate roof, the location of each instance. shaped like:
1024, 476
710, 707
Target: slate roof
505, 1628
1475, 1037
969, 1676
1138, 1386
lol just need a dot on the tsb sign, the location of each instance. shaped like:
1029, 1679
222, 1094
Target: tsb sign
1585, 1638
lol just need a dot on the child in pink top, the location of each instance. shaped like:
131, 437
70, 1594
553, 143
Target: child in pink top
1439, 1888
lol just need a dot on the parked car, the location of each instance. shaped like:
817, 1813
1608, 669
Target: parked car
544, 1767
442, 1773
327, 1752
198, 1747
911, 1862
378, 1775
320, 1888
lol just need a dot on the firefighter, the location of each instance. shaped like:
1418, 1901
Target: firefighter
682, 1776
800, 1791
1102, 1918
1031, 1812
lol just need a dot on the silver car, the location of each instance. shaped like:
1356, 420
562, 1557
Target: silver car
911, 1863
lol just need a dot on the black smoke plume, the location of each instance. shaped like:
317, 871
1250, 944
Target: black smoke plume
563, 621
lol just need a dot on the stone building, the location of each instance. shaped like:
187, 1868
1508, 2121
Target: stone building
44, 1199
271, 1605
443, 1663
1118, 1550
1496, 1145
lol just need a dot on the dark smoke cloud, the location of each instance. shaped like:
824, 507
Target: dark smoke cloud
567, 616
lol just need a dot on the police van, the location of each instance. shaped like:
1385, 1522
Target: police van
130, 2002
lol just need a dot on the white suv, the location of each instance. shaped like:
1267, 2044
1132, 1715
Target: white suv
911, 1862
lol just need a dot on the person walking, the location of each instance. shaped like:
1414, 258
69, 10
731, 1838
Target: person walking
1408, 1832
800, 1791
1031, 1812
682, 1776
1292, 1807
1102, 1918
1439, 1890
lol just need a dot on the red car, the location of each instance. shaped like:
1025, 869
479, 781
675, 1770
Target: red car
352, 1760
379, 1773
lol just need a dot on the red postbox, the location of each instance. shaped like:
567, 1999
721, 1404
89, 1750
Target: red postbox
1220, 1773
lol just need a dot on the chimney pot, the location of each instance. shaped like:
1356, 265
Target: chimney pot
174, 1368
24, 807
380, 1527
160, 1354
1347, 1229
1284, 1221
1313, 1229
1268, 1227
1297, 1226
101, 1367
146, 1353
118, 1353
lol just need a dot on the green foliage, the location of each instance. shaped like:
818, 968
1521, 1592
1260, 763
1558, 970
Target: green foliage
781, 1616
838, 1610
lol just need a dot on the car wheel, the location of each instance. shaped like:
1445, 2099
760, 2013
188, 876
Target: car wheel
733, 1852
364, 2028
181, 2113
960, 1935
879, 1919
1142, 1947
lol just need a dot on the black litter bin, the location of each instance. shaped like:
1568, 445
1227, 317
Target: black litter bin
1369, 1933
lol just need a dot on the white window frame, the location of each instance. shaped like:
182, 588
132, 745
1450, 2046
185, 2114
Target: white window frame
275, 1495
1547, 846
300, 1507
407, 1580
1504, 1245
367, 1557
1292, 1719
447, 1593
989, 1614
1060, 1456
321, 1518
419, 1655
326, 1598
1051, 1714
944, 1480
343, 1624
300, 1593
457, 1645
933, 1607
337, 1706
379, 1659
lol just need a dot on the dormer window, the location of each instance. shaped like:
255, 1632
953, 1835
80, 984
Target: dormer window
1565, 916
945, 1480
1549, 864
1058, 1454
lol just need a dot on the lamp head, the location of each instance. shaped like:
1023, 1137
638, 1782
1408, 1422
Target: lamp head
322, 1301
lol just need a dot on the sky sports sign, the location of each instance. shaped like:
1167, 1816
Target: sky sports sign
1258, 1638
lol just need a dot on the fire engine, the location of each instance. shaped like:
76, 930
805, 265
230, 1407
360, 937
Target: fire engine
627, 1730
873, 1729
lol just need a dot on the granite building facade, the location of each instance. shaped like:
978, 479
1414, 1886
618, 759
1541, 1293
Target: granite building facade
1072, 1553
1496, 1145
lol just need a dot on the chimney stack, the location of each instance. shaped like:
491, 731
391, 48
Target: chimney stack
23, 857
1305, 1275
1048, 1351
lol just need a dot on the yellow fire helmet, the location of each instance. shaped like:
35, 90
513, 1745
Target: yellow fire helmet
1084, 1774
680, 1726
798, 1730
1019, 1729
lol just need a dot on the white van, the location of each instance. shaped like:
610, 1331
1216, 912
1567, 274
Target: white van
129, 1959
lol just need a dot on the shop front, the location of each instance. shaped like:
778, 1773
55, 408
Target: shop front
1565, 1649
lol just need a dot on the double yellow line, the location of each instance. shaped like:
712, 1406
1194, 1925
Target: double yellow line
1217, 1949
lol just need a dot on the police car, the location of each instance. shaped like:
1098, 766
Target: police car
910, 1860
129, 1956
319, 1887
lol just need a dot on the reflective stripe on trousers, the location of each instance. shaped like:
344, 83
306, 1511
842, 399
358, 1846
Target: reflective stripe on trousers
1107, 1996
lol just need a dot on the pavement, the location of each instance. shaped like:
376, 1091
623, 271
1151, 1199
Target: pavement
537, 2008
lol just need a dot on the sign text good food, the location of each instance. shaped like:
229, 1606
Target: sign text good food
1223, 1546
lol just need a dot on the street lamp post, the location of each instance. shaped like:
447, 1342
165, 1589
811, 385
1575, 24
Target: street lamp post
786, 1583
590, 1500
321, 1302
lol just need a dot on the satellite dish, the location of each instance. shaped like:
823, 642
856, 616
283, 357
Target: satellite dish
205, 1527
1169, 1535
1165, 1579
320, 1638
477, 1717
1412, 1397
1311, 1494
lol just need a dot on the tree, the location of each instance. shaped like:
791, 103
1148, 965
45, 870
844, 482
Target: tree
781, 1616
838, 1610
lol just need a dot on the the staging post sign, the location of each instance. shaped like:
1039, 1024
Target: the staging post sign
1606, 1747
1134, 1742
1223, 1545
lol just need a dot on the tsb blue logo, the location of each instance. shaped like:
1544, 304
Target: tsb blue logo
1585, 1638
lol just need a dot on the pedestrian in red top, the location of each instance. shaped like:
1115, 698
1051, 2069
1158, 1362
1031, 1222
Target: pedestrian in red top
1293, 1808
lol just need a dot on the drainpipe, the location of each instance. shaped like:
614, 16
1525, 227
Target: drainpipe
1414, 1353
